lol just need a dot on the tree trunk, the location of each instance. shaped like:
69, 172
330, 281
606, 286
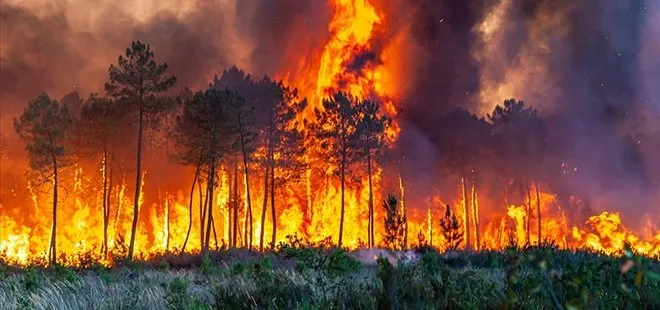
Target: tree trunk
273, 215
104, 246
167, 223
475, 212
215, 234
371, 204
106, 216
529, 214
53, 234
248, 212
466, 212
209, 199
230, 208
235, 221
202, 214
341, 216
538, 209
190, 203
138, 184
263, 210
405, 214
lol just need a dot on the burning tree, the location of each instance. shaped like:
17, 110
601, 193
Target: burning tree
138, 79
463, 138
394, 224
371, 143
521, 142
451, 229
44, 127
204, 134
335, 128
100, 131
242, 119
283, 141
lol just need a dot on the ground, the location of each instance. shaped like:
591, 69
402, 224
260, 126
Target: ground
297, 277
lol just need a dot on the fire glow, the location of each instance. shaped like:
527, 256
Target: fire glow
350, 62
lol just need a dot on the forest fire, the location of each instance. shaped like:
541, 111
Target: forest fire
256, 199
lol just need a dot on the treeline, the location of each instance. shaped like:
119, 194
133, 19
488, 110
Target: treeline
236, 121
256, 126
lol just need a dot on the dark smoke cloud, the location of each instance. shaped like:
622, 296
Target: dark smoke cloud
45, 51
594, 73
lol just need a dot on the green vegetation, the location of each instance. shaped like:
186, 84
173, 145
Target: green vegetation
300, 275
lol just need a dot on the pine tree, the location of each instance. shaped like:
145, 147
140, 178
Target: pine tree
335, 128
394, 224
371, 144
521, 143
45, 128
451, 229
282, 138
99, 133
204, 135
138, 79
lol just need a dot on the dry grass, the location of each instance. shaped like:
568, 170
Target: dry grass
303, 278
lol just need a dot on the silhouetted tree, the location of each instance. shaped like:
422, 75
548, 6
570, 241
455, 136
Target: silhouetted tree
45, 128
371, 144
283, 138
335, 129
463, 139
137, 78
451, 229
242, 118
521, 143
204, 134
394, 223
246, 125
100, 131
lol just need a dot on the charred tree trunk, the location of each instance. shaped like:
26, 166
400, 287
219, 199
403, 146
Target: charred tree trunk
538, 210
529, 213
235, 220
265, 205
138, 182
405, 214
104, 246
167, 223
209, 199
53, 234
215, 235
248, 212
343, 177
202, 214
371, 204
230, 208
190, 205
106, 216
273, 212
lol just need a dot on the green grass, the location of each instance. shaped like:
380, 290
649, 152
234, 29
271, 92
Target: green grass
304, 276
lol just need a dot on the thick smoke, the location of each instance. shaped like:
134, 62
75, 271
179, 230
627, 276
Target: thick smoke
590, 66
68, 45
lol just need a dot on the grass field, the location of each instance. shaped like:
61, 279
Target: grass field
304, 277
